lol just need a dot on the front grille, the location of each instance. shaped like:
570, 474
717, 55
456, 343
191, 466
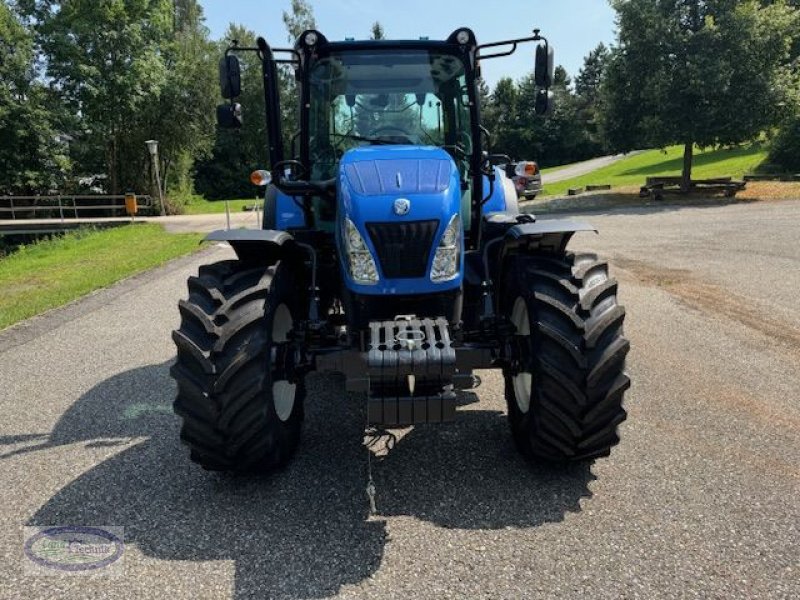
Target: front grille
403, 247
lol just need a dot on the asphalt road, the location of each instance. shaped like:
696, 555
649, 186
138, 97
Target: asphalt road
701, 499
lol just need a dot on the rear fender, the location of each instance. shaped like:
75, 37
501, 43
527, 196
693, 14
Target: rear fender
259, 246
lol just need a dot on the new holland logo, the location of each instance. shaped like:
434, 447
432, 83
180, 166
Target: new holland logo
402, 207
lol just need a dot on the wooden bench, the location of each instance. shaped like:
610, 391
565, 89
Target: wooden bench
658, 186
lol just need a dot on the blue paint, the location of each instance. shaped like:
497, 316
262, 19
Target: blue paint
371, 179
288, 214
497, 202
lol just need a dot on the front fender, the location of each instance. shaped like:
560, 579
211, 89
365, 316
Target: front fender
262, 246
549, 235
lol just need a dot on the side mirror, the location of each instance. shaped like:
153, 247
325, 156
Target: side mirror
230, 77
490, 161
544, 72
545, 103
229, 116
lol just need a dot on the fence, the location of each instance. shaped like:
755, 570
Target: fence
66, 207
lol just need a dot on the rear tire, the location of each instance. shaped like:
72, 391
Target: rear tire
241, 409
566, 383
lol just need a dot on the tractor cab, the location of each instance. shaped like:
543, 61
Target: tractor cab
379, 94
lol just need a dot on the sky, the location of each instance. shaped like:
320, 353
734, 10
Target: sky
573, 27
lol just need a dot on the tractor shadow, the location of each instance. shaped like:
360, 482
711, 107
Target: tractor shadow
303, 532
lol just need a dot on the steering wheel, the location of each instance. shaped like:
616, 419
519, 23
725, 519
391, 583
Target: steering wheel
379, 132
326, 154
464, 140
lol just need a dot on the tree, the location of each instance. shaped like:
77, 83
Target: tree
378, 32
489, 112
104, 59
127, 72
693, 72
33, 156
587, 83
785, 145
587, 94
299, 19
183, 117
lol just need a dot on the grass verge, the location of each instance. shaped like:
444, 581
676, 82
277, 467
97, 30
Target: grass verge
51, 273
197, 205
632, 171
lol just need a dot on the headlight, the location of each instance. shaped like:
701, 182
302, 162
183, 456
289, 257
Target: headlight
362, 265
448, 254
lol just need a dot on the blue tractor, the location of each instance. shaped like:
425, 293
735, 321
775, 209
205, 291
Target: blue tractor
393, 251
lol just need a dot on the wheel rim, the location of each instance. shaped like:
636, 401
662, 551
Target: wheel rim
283, 392
522, 381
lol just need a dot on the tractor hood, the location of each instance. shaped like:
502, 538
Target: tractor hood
401, 199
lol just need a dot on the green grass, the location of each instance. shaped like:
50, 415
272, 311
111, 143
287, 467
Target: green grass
51, 273
197, 205
632, 171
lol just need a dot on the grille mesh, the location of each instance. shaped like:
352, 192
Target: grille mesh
403, 247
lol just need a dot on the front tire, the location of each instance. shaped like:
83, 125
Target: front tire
238, 396
566, 381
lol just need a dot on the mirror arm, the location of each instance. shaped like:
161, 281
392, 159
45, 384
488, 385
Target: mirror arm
294, 61
489, 172
513, 43
489, 144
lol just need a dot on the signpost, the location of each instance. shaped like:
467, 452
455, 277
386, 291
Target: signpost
152, 147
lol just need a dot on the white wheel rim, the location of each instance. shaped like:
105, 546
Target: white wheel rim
522, 382
283, 392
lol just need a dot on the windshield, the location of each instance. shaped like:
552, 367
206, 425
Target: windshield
415, 97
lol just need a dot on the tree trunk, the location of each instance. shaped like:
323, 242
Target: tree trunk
113, 180
686, 180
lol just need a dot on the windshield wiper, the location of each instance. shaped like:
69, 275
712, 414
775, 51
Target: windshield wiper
360, 138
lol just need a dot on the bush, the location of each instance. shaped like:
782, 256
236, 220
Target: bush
785, 147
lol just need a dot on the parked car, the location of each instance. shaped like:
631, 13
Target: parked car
526, 177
